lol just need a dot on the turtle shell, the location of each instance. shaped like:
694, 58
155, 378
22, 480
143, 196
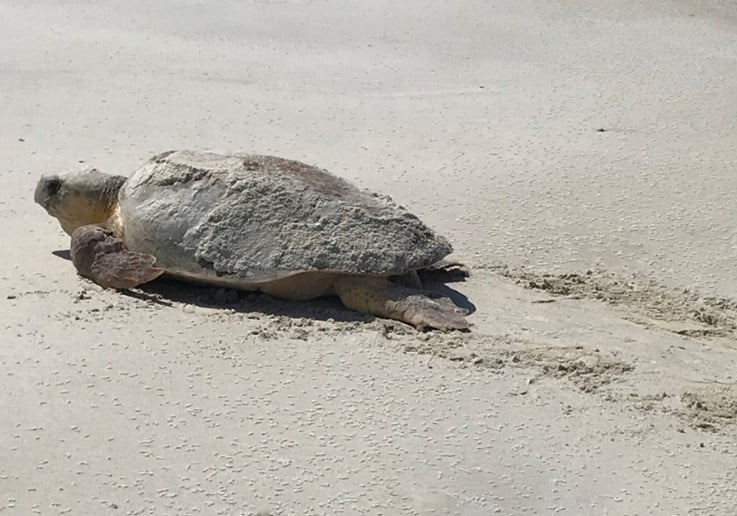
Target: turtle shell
258, 218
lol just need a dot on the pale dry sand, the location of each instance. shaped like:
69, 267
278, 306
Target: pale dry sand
596, 393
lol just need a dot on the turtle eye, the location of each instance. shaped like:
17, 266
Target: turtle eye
53, 186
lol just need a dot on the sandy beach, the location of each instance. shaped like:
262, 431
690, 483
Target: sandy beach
581, 158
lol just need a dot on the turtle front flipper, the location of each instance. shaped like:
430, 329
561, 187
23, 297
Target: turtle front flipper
420, 308
102, 257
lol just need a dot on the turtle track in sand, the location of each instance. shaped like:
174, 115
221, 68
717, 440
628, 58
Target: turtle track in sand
684, 312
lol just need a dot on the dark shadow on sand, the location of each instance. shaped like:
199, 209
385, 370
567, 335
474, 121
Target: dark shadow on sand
63, 254
165, 292
240, 301
457, 298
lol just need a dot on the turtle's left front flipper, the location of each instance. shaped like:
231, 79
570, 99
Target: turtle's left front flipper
102, 257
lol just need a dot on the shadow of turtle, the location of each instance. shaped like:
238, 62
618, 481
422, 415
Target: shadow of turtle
64, 254
458, 298
241, 301
167, 291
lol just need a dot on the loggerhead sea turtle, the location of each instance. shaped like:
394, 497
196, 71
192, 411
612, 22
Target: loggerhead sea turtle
250, 222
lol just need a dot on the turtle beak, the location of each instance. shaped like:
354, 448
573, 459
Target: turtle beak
39, 196
46, 188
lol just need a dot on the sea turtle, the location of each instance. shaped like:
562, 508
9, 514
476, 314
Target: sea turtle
250, 222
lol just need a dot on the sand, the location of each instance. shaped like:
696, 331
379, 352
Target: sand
580, 156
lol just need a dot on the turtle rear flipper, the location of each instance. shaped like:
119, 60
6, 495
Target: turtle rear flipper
102, 257
420, 308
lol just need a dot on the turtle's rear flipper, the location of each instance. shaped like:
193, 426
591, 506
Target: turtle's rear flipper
100, 256
420, 308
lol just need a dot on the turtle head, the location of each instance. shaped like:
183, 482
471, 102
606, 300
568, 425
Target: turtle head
78, 198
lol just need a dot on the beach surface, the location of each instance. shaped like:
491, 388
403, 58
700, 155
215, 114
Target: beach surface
581, 157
